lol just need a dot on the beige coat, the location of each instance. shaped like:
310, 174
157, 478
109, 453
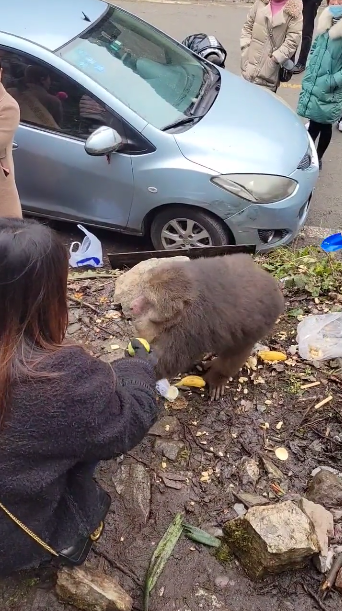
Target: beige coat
9, 121
260, 60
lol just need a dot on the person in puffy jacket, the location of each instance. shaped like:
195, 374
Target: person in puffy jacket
320, 99
61, 410
269, 38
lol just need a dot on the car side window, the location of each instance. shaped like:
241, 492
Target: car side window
52, 101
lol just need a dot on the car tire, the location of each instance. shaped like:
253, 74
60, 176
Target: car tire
218, 234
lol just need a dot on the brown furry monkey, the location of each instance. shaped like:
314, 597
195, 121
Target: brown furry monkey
222, 305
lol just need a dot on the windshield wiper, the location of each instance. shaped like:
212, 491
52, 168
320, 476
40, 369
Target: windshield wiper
183, 121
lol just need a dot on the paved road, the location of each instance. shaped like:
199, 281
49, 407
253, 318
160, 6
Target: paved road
225, 22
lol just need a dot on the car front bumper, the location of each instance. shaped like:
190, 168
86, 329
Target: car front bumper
285, 219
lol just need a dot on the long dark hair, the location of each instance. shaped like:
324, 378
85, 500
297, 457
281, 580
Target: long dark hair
33, 301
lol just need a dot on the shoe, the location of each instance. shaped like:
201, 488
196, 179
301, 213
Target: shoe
320, 165
298, 69
339, 125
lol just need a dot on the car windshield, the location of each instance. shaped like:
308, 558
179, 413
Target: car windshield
143, 68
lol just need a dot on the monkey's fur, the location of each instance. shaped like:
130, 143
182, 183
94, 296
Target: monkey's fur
221, 305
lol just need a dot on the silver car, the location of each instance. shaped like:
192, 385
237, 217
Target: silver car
122, 127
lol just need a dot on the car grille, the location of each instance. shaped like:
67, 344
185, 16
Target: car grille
305, 163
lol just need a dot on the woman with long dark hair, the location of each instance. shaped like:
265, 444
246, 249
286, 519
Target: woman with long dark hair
61, 410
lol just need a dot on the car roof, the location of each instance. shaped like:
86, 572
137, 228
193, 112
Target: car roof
50, 23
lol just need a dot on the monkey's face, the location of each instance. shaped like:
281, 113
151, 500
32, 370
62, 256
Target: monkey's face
142, 313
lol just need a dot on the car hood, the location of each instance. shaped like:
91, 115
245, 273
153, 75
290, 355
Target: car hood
247, 129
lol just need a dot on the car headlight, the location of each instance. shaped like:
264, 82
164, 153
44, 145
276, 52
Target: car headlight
257, 188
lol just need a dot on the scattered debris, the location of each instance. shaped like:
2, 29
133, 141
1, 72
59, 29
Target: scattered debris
281, 453
90, 590
331, 578
271, 469
271, 356
271, 539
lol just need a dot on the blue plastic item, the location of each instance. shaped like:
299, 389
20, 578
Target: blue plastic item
332, 243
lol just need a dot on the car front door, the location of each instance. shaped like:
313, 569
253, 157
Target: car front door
54, 174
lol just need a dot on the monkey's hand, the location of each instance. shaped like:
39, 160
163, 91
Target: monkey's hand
215, 380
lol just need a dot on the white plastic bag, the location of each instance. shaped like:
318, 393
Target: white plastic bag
87, 253
320, 337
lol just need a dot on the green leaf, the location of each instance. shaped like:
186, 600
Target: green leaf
300, 281
161, 555
295, 312
200, 536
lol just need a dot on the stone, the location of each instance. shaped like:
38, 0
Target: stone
325, 489
169, 448
337, 514
249, 470
132, 483
73, 314
166, 426
271, 539
322, 520
91, 590
73, 328
240, 509
222, 581
323, 523
129, 285
272, 470
251, 499
338, 582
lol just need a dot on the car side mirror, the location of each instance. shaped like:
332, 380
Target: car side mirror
103, 141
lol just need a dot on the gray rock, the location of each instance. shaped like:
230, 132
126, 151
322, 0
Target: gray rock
250, 499
74, 314
272, 539
73, 328
272, 470
91, 590
132, 483
169, 448
323, 523
249, 470
240, 509
166, 426
325, 489
222, 581
129, 285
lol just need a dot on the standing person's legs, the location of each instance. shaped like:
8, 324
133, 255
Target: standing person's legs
310, 8
314, 129
324, 140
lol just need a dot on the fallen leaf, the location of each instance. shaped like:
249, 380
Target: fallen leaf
78, 295
179, 403
281, 453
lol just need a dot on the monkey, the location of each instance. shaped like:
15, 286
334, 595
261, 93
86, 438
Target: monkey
221, 305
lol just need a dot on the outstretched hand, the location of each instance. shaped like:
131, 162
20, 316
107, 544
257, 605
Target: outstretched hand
140, 352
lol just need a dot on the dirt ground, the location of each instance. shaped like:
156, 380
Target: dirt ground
200, 456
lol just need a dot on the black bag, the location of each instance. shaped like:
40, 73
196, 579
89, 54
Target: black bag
76, 554
285, 75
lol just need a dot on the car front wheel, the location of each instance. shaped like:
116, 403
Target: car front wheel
179, 227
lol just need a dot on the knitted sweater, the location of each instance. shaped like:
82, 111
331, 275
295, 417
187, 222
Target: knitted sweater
56, 430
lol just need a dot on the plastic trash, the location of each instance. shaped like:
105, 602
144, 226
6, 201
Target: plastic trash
320, 337
167, 391
332, 243
87, 253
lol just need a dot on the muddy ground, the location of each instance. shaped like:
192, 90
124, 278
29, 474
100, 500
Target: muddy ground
197, 460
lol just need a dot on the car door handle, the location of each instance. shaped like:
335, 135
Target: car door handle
14, 146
